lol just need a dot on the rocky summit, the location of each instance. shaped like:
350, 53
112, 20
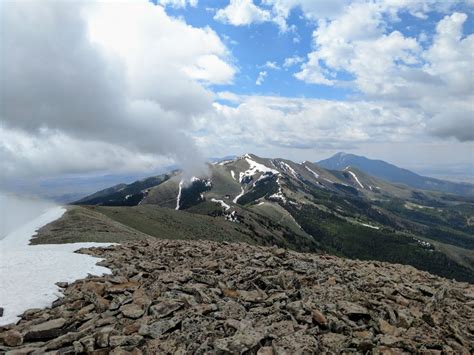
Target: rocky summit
167, 297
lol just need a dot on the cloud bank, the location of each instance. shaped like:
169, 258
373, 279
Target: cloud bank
103, 77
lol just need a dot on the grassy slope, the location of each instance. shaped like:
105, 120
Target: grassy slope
165, 223
165, 194
81, 224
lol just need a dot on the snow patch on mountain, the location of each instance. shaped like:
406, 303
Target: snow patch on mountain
255, 168
238, 196
232, 173
316, 175
279, 195
232, 217
369, 226
222, 203
289, 169
225, 162
355, 178
181, 183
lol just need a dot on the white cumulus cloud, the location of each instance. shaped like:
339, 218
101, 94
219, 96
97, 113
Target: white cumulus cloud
241, 13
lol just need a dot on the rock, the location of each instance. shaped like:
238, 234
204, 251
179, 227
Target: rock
390, 340
25, 350
252, 296
426, 290
266, 350
228, 292
100, 303
156, 329
333, 340
125, 341
12, 338
96, 287
102, 336
165, 308
353, 311
1, 311
231, 309
62, 340
47, 330
319, 318
88, 343
387, 328
131, 328
363, 334
78, 347
132, 311
280, 252
126, 286
206, 297
296, 343
244, 339
85, 310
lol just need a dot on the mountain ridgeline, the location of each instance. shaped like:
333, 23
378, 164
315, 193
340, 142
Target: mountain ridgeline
300, 206
392, 173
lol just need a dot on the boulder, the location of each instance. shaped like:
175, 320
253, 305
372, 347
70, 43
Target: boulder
47, 330
132, 310
12, 338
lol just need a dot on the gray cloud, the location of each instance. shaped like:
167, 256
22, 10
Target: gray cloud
456, 123
56, 79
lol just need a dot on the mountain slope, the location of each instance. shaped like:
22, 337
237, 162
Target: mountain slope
390, 172
306, 207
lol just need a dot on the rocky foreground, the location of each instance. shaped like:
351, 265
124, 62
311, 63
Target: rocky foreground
206, 297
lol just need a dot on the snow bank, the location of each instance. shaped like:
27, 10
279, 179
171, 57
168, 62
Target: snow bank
369, 226
28, 273
222, 203
242, 192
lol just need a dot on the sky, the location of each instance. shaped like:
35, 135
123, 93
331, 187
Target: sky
125, 87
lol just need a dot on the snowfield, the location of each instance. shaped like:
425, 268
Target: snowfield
255, 168
28, 273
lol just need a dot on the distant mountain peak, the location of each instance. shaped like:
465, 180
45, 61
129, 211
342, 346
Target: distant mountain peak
394, 174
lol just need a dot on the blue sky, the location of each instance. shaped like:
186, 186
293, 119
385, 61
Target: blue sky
255, 44
252, 46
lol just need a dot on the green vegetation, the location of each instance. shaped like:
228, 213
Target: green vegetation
337, 236
263, 188
82, 225
123, 195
